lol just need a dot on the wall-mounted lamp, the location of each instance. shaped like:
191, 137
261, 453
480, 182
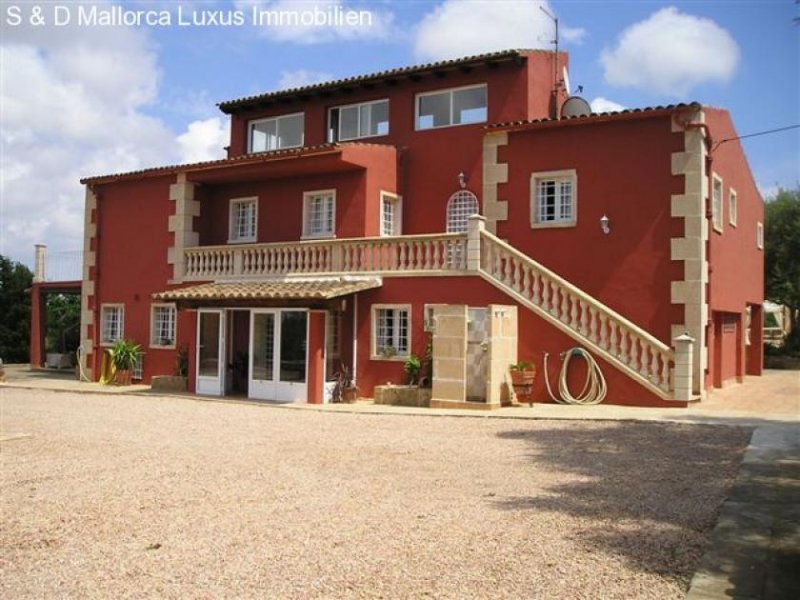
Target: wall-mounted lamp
605, 224
462, 180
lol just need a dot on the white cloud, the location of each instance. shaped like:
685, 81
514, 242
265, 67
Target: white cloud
301, 78
456, 28
670, 53
601, 105
317, 21
73, 104
204, 140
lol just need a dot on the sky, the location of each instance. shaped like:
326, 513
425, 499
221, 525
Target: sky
82, 95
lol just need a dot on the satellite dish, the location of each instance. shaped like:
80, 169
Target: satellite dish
575, 106
566, 81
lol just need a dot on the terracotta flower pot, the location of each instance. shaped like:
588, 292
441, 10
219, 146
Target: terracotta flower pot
123, 377
522, 378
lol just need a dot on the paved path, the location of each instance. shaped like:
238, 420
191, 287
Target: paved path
755, 549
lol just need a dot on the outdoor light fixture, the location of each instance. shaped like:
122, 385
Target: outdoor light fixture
604, 224
462, 180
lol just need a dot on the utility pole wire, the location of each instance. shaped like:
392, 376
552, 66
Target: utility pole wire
749, 135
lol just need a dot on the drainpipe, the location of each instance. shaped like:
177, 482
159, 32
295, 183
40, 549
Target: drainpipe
96, 359
355, 337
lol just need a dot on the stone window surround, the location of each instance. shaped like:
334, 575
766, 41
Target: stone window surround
561, 174
307, 197
107, 306
397, 213
232, 204
153, 308
374, 332
717, 213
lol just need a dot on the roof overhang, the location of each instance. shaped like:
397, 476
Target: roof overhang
325, 158
389, 77
594, 118
316, 291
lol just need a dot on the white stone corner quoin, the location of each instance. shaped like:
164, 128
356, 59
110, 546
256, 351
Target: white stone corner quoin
690, 206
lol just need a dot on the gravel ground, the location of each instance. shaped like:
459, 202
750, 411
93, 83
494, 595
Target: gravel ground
148, 497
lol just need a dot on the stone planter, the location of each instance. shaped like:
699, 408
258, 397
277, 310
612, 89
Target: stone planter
168, 383
403, 395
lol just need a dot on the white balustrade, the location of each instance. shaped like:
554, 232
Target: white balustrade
640, 354
385, 256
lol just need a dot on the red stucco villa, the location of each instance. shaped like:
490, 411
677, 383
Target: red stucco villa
457, 204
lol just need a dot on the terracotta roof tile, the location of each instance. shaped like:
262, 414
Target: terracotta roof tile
271, 290
596, 116
229, 106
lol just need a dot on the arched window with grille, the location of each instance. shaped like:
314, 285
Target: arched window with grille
461, 205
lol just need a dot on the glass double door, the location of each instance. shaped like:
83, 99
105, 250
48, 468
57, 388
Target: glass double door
278, 355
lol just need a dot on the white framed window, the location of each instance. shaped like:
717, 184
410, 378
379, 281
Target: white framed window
276, 133
391, 214
760, 235
733, 207
716, 203
356, 121
391, 331
319, 214
460, 207
456, 106
112, 323
162, 325
554, 199
242, 220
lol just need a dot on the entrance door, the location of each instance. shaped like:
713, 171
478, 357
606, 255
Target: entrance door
210, 345
278, 369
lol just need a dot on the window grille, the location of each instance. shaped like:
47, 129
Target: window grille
461, 205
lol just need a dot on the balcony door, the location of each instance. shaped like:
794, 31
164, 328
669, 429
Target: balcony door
278, 355
210, 352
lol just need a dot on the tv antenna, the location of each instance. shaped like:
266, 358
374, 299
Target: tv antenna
554, 41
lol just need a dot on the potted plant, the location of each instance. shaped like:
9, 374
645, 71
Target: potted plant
522, 375
345, 389
124, 354
412, 367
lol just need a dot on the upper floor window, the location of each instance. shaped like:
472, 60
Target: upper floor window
733, 207
112, 319
319, 214
276, 133
162, 326
243, 216
554, 199
716, 203
458, 106
391, 214
368, 119
460, 206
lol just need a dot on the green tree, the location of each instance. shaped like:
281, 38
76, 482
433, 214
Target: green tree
63, 322
782, 256
15, 311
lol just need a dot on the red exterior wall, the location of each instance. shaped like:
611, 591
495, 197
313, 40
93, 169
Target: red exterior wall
623, 171
430, 160
736, 264
131, 267
535, 337
316, 356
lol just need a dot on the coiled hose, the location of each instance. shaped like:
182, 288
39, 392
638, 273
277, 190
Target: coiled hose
594, 389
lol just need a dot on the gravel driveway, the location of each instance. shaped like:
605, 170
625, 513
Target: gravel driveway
148, 497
